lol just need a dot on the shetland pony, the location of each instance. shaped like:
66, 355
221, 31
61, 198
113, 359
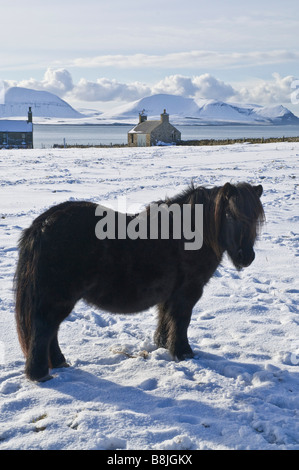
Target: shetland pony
61, 260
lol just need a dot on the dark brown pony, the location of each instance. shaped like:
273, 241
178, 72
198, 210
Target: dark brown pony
61, 260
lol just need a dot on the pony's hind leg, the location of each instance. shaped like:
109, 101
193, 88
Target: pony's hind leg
56, 358
37, 360
44, 351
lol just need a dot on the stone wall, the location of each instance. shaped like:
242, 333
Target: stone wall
165, 132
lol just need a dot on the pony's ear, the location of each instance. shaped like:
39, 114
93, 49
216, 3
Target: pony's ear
258, 189
228, 191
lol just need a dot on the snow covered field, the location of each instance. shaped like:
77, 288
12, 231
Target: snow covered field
241, 391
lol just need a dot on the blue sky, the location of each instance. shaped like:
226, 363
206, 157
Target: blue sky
95, 52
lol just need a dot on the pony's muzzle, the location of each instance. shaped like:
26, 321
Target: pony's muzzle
245, 258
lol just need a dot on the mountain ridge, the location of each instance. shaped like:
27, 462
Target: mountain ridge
48, 107
188, 111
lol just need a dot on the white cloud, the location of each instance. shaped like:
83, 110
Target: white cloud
107, 90
265, 92
57, 81
278, 90
210, 87
275, 91
176, 85
191, 59
202, 86
60, 82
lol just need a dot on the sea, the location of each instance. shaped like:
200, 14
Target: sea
49, 135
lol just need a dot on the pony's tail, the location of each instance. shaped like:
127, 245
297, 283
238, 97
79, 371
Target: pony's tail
25, 285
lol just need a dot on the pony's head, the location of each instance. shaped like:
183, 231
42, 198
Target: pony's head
238, 216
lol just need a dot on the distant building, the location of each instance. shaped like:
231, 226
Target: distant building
148, 133
16, 134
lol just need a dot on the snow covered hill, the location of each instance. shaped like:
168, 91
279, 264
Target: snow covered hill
47, 107
44, 104
188, 111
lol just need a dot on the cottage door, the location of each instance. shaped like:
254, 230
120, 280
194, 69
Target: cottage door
141, 140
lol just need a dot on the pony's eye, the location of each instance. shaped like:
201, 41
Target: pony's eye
228, 215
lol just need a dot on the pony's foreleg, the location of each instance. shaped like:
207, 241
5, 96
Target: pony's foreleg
173, 322
177, 341
171, 332
161, 333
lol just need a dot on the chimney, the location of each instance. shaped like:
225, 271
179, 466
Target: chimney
142, 116
29, 115
165, 116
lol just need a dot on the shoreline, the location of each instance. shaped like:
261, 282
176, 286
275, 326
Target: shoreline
201, 142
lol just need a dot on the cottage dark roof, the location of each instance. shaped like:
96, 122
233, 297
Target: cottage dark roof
145, 127
11, 125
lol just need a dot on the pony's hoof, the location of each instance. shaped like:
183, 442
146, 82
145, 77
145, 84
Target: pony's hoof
62, 364
189, 355
186, 355
44, 379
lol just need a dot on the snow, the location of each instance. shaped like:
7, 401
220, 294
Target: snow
202, 111
177, 106
43, 103
15, 126
241, 390
49, 108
